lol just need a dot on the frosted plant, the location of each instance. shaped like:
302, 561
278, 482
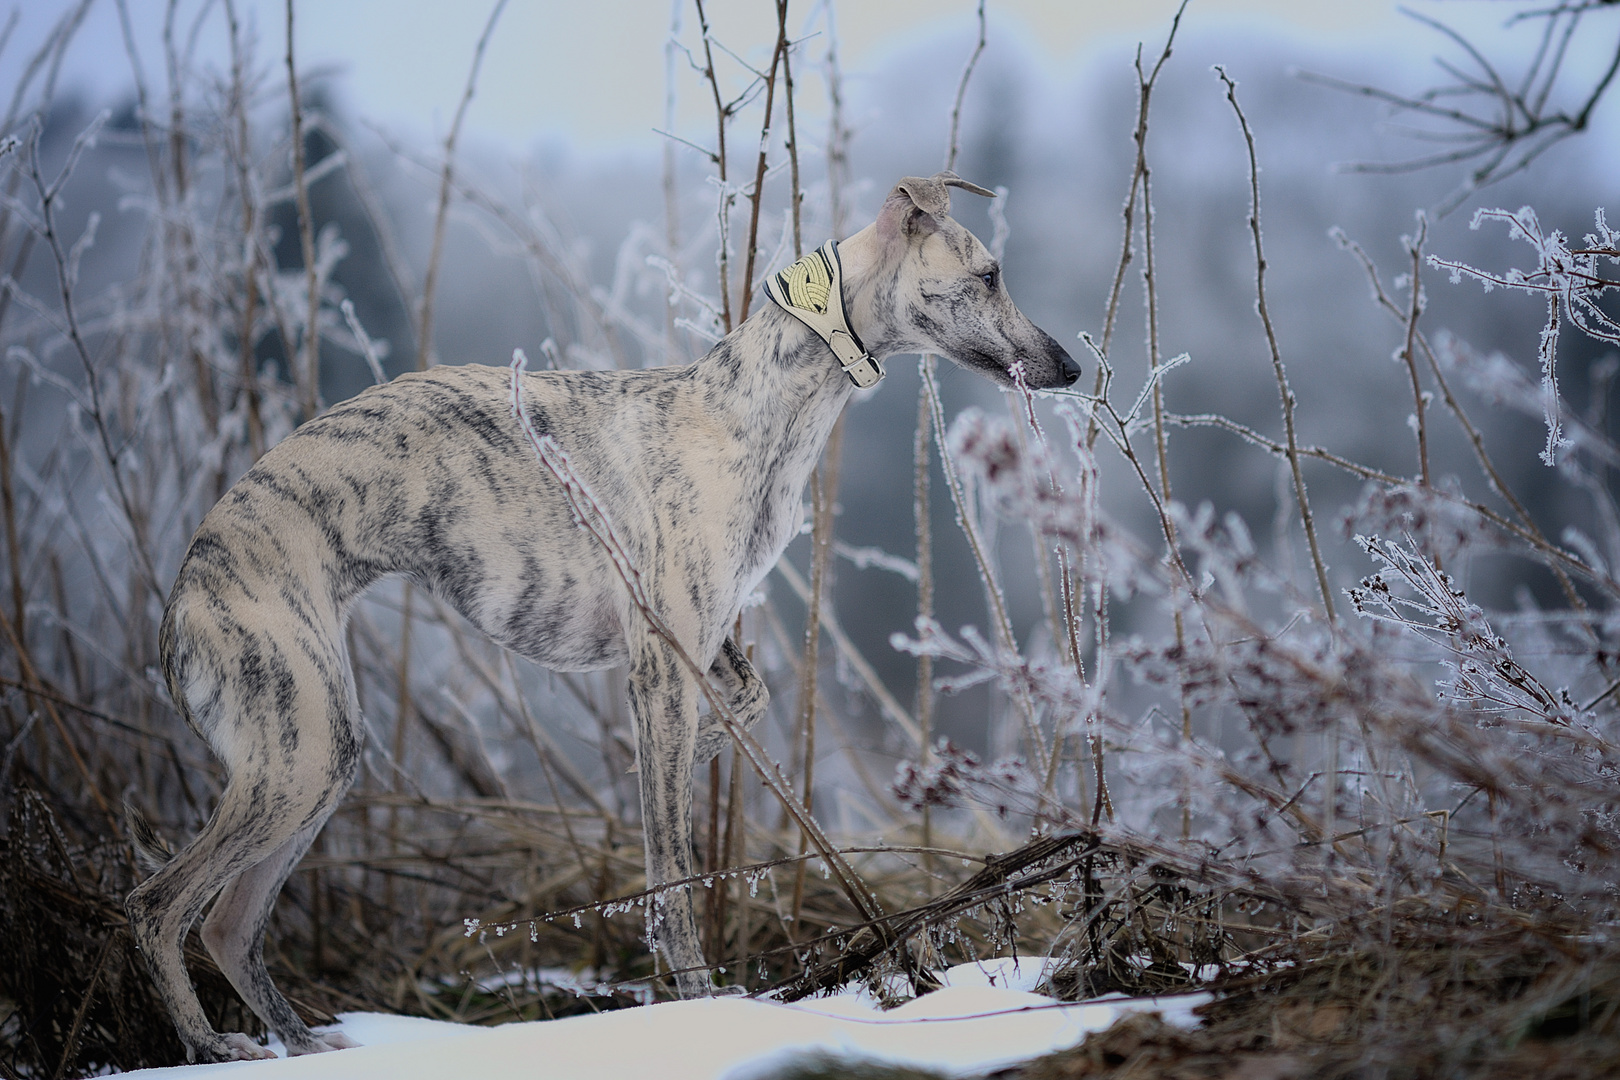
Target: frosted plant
1571, 281
1411, 592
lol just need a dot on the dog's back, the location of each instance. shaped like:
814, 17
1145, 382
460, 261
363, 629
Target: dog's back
424, 476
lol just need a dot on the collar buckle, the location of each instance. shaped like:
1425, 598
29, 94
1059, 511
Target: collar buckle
863, 369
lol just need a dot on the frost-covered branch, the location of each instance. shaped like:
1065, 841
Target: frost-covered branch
1572, 282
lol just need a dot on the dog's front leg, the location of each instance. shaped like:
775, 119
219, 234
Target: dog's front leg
663, 701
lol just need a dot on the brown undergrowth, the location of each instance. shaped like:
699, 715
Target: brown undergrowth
1444, 996
69, 956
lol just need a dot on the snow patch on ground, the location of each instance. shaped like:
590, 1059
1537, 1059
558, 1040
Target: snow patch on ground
987, 1016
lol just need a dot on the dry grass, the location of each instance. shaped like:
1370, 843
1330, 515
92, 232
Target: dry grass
1441, 998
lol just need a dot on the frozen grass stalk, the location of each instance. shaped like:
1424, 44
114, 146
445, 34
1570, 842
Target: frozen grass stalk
1572, 282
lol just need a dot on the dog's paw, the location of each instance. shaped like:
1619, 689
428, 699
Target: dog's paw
321, 1043
234, 1047
700, 984
339, 1041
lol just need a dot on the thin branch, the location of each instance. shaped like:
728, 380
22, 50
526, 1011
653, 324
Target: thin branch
792, 132
1005, 639
1558, 559
425, 352
1511, 127
722, 116
823, 490
923, 697
1283, 390
111, 452
922, 475
756, 194
953, 144
588, 514
1144, 99
852, 655
1414, 247
309, 366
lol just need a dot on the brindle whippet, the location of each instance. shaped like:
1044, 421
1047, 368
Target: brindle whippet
701, 470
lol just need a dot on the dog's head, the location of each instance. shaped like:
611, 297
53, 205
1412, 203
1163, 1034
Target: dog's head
933, 287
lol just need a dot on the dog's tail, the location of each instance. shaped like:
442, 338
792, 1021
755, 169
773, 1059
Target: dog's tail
152, 851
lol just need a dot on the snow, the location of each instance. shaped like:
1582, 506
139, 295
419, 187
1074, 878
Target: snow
987, 1016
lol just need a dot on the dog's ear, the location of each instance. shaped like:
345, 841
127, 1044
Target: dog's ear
917, 204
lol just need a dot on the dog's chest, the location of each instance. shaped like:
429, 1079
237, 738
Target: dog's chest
776, 520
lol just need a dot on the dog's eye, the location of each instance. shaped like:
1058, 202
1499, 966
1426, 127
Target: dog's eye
989, 279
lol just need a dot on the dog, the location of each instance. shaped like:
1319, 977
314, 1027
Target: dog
701, 469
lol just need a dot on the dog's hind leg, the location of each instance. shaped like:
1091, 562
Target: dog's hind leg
234, 934
163, 908
746, 695
283, 721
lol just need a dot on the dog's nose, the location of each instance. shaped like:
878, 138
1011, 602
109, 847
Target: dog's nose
1069, 370
1064, 369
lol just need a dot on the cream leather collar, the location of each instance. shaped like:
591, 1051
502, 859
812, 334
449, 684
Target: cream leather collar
812, 291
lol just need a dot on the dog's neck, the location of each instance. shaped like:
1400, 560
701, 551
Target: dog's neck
867, 304
777, 388
776, 378
774, 384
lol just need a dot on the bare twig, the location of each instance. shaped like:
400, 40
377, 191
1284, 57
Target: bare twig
756, 194
1512, 125
309, 364
852, 656
1144, 100
1558, 559
425, 352
1538, 541
998, 878
922, 516
48, 57
1118, 429
672, 203
14, 558
823, 489
246, 337
838, 133
797, 194
722, 116
1005, 638
66, 280
1283, 390
929, 415
953, 143
1414, 247
1144, 87
31, 677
